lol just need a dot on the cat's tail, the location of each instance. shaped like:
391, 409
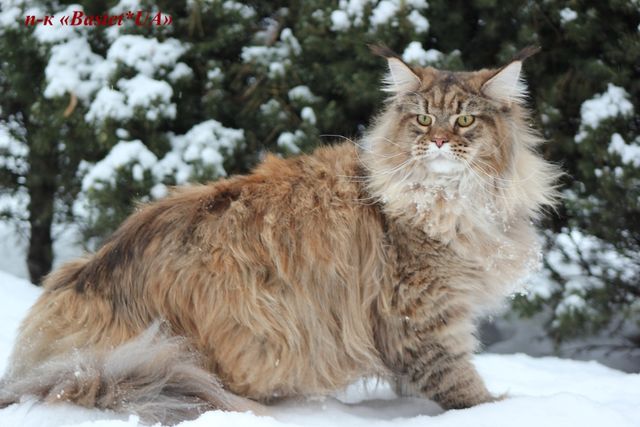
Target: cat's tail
154, 376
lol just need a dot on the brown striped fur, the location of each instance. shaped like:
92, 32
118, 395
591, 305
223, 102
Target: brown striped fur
306, 274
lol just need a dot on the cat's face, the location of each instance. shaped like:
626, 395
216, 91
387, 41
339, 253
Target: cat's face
446, 123
454, 151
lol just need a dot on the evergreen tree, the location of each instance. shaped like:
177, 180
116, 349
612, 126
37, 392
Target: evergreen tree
208, 95
38, 143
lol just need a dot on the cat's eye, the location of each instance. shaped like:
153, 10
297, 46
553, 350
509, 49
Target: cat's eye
424, 120
465, 120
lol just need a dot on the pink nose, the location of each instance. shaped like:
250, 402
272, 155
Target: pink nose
439, 141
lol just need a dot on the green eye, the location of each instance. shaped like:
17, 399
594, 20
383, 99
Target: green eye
424, 120
466, 120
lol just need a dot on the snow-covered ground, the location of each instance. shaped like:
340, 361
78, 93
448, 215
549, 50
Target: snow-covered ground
542, 392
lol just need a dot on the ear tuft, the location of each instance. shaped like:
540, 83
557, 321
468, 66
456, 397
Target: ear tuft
526, 53
400, 77
506, 85
382, 50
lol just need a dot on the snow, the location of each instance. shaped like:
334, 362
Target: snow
146, 55
354, 9
215, 74
572, 303
302, 93
109, 104
383, 12
573, 249
570, 252
352, 13
122, 154
308, 115
179, 72
612, 103
140, 93
266, 54
229, 6
414, 53
584, 263
13, 151
10, 15
629, 153
58, 32
149, 95
386, 10
122, 133
72, 68
14, 201
417, 4
419, 22
340, 20
292, 42
274, 58
545, 391
276, 69
203, 148
567, 15
271, 107
124, 6
16, 296
245, 11
287, 141
205, 143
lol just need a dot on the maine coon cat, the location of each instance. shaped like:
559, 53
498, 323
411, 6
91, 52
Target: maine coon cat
310, 272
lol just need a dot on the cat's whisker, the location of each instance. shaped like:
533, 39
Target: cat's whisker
506, 180
394, 169
373, 200
497, 181
362, 147
382, 156
419, 106
418, 95
387, 140
486, 185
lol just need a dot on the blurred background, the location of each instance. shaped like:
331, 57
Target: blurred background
94, 119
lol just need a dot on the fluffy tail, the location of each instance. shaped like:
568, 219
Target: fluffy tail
154, 376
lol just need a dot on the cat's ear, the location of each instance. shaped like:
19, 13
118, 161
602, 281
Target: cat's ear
400, 77
506, 84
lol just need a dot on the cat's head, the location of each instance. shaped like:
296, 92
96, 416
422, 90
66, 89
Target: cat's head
470, 129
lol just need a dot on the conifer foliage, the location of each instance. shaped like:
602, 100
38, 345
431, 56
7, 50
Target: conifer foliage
95, 118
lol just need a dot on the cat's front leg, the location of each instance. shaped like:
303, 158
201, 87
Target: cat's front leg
436, 366
444, 375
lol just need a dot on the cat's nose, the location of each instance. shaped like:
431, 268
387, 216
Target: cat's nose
439, 140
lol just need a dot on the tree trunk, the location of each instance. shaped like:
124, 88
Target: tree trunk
41, 185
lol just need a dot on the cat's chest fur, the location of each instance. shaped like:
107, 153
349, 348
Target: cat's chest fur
450, 243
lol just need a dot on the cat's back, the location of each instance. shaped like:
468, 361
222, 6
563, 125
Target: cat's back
269, 225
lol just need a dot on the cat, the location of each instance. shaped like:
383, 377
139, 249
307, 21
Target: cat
367, 259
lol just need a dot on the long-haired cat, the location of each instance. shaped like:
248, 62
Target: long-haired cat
310, 272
